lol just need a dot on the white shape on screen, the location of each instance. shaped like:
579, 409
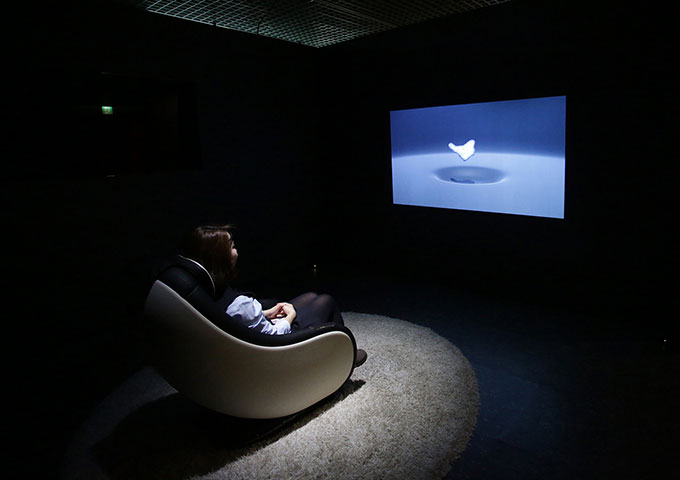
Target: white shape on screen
464, 151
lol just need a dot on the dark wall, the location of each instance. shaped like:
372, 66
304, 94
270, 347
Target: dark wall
610, 251
83, 246
254, 115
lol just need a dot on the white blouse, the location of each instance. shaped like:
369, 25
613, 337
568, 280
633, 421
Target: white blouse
249, 311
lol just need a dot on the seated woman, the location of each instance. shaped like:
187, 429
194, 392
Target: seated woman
214, 248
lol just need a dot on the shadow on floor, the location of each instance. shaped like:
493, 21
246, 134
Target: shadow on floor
173, 438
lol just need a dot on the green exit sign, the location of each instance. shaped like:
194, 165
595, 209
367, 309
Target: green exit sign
107, 110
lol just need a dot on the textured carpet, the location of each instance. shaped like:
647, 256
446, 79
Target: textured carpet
408, 412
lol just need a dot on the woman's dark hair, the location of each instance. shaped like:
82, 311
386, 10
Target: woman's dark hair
211, 247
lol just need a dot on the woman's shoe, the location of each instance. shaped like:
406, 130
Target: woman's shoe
360, 358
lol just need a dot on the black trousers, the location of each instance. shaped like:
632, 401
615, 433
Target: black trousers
311, 309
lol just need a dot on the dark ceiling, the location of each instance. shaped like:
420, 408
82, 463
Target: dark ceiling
315, 23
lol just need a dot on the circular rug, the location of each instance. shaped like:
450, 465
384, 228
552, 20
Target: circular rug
408, 412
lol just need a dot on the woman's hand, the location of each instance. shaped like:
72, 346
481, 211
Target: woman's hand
281, 310
275, 312
289, 311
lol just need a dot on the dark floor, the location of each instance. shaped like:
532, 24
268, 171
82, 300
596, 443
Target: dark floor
564, 395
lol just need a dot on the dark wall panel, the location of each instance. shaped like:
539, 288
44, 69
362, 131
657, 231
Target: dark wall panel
612, 65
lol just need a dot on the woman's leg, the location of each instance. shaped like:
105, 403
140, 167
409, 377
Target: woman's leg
312, 309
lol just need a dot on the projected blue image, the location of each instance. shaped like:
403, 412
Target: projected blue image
502, 157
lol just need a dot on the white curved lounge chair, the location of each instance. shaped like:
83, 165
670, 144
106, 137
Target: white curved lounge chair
221, 364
